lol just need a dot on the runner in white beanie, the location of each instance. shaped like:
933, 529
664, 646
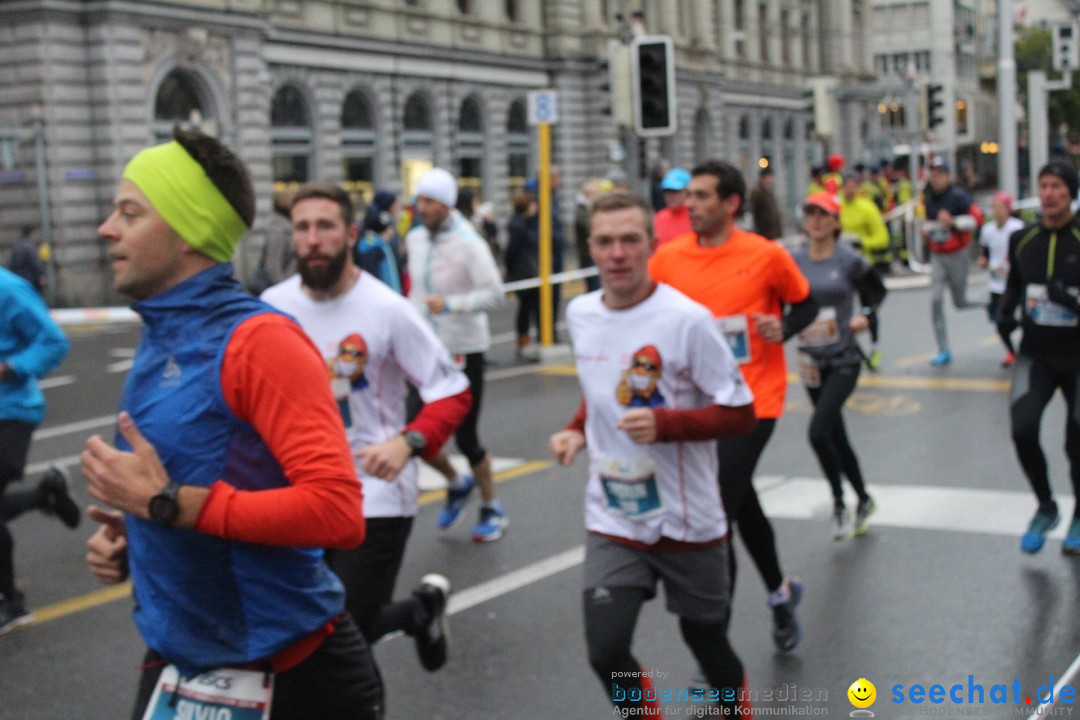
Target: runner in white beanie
439, 185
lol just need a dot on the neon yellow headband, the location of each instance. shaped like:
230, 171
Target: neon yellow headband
183, 195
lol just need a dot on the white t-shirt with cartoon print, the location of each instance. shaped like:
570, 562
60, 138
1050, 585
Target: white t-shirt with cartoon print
374, 340
666, 351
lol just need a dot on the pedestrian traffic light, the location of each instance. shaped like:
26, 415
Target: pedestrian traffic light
653, 84
934, 105
1065, 53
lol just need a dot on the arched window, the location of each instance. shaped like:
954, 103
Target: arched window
418, 138
182, 97
517, 145
471, 146
291, 138
358, 145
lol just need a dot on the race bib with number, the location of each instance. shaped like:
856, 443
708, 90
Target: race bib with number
809, 372
630, 487
1043, 311
736, 330
226, 693
823, 331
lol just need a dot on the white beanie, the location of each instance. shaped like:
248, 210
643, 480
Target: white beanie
439, 185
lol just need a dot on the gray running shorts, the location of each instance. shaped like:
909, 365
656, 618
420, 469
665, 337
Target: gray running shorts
695, 581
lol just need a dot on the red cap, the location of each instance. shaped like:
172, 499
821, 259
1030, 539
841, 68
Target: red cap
650, 354
836, 161
825, 201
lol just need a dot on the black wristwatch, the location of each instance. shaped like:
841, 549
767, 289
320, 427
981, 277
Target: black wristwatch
415, 440
163, 507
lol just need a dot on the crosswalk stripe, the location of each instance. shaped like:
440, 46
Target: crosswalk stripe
923, 507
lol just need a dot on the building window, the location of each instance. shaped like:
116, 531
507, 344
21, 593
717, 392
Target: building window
464, 6
291, 138
763, 32
470, 171
511, 7
807, 45
785, 37
182, 98
358, 146
517, 146
418, 140
740, 29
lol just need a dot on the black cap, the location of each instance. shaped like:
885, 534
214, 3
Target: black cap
1064, 170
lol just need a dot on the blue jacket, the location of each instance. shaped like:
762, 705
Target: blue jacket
203, 601
30, 343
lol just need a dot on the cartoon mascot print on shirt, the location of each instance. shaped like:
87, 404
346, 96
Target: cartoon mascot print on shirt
640, 383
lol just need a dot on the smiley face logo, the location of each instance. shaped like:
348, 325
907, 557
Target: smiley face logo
862, 693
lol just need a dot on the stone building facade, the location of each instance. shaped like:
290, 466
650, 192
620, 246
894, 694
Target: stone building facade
372, 93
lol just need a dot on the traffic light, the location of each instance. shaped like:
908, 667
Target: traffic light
934, 105
653, 84
1065, 52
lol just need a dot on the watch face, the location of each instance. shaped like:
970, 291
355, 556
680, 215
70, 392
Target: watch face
163, 509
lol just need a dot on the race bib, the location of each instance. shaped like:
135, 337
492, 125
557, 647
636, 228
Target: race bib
823, 331
340, 387
809, 372
736, 330
1044, 311
226, 693
630, 487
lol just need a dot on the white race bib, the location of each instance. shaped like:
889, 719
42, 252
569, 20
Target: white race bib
736, 330
223, 694
809, 372
1043, 311
823, 331
630, 487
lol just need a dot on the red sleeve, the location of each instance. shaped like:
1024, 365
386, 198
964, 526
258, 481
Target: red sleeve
437, 420
273, 378
578, 421
707, 423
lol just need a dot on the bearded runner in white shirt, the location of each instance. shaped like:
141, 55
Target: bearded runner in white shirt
374, 341
660, 385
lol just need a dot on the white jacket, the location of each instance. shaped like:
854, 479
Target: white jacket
457, 266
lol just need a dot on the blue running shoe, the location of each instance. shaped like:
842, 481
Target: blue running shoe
786, 629
1032, 541
942, 358
455, 502
493, 521
1071, 544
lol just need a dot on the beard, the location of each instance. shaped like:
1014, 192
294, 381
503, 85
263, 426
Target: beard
322, 277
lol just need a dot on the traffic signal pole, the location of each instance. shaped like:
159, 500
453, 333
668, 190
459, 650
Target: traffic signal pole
547, 334
1008, 179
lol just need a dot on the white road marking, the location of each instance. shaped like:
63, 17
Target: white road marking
515, 579
75, 427
950, 509
58, 381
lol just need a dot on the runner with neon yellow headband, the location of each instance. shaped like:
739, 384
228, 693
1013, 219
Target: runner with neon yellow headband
230, 467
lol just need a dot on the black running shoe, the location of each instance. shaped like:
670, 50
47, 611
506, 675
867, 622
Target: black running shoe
13, 613
433, 639
56, 496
